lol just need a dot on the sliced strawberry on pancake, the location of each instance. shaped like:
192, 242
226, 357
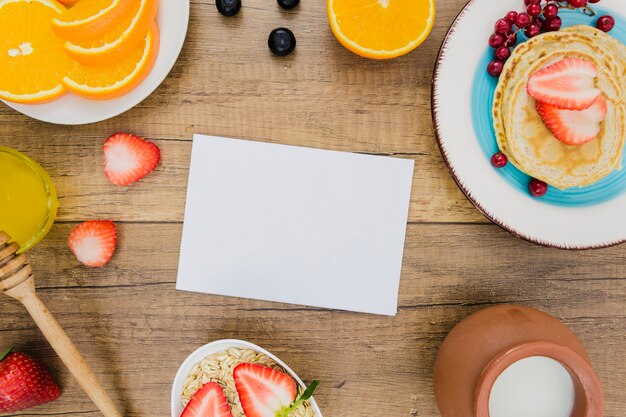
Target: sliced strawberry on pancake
574, 127
567, 84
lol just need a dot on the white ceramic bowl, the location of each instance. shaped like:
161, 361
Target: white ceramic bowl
214, 347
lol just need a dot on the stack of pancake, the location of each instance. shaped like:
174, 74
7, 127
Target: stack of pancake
520, 130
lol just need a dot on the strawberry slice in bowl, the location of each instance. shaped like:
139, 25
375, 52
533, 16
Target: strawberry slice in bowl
267, 392
574, 127
566, 84
209, 401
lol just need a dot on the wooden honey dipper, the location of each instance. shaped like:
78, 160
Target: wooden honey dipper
17, 281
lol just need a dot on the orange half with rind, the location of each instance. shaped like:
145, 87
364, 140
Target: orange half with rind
381, 29
103, 82
32, 59
118, 41
91, 18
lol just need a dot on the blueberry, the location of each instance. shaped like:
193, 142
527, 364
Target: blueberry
282, 41
228, 7
288, 4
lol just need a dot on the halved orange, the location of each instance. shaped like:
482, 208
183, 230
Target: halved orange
381, 29
114, 80
32, 58
91, 18
127, 32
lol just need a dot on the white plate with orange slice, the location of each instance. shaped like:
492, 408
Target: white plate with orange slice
93, 61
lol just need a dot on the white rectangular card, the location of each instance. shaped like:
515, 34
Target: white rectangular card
295, 225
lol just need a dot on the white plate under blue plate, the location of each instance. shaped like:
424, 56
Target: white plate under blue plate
217, 346
71, 109
580, 218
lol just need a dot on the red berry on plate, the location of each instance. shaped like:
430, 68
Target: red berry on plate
532, 30
208, 401
93, 242
550, 10
496, 40
499, 160
495, 67
553, 24
529, 2
128, 158
523, 20
263, 391
511, 17
24, 383
566, 84
534, 9
503, 53
578, 3
605, 23
502, 26
537, 187
574, 127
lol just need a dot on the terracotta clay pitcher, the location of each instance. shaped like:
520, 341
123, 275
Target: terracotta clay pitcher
487, 342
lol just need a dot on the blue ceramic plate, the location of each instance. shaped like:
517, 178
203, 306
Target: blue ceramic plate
576, 218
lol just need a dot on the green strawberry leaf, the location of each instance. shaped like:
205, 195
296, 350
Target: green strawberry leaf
5, 354
308, 393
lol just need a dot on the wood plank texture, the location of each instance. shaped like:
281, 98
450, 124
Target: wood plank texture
134, 328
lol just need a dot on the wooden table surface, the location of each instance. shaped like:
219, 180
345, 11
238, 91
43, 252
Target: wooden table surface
135, 329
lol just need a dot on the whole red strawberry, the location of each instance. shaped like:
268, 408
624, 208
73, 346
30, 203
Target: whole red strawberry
24, 383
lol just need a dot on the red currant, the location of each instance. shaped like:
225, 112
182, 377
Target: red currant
523, 20
502, 26
534, 9
499, 160
529, 2
553, 24
594, 1
511, 17
532, 30
495, 67
578, 3
605, 23
496, 40
550, 11
503, 53
537, 188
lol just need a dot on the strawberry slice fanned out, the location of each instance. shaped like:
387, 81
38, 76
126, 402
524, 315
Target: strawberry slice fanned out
267, 392
567, 84
574, 127
129, 158
93, 242
208, 401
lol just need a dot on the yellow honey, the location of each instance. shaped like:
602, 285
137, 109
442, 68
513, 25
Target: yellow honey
28, 200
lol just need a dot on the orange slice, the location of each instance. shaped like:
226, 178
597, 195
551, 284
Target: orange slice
32, 59
381, 29
91, 18
114, 80
119, 40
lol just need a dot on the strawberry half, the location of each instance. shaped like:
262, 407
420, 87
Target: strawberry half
129, 158
93, 242
266, 392
208, 401
574, 127
24, 383
567, 84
